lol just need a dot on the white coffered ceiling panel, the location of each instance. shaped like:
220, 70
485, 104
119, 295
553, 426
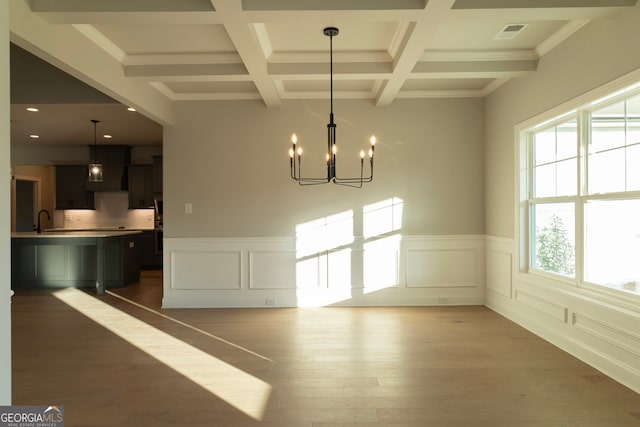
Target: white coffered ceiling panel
436, 84
456, 35
144, 39
353, 37
274, 50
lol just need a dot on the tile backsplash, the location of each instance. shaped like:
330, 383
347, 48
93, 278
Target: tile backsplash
112, 211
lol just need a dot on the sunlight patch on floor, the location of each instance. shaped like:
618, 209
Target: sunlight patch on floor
236, 387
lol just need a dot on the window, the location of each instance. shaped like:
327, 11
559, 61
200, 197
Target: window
552, 202
582, 195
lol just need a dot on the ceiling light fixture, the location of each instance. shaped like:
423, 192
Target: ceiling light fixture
32, 109
295, 152
95, 168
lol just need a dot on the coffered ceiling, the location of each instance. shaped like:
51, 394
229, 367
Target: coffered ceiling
275, 50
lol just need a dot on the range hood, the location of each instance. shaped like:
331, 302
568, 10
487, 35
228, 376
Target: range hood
114, 159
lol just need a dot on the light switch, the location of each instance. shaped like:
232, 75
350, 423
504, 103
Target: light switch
188, 208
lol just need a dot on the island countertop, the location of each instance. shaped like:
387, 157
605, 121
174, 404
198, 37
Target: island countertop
72, 234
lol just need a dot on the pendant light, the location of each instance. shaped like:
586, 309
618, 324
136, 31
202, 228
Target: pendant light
295, 152
95, 168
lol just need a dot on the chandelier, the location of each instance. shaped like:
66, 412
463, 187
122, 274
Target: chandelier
295, 152
95, 168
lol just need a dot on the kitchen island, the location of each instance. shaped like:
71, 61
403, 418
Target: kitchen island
81, 259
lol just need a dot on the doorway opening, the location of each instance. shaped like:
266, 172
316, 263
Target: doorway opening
25, 200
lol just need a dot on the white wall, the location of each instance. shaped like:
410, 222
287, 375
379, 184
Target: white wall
240, 246
5, 219
599, 329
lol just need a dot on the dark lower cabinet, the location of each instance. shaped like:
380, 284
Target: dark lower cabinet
59, 262
148, 257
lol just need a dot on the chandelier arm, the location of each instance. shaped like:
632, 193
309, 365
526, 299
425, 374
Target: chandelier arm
337, 179
357, 184
308, 182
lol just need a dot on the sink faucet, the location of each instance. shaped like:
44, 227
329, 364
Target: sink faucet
39, 229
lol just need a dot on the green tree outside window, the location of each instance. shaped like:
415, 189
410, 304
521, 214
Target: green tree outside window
554, 251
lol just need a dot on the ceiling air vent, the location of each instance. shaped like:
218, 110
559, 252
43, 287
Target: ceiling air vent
510, 31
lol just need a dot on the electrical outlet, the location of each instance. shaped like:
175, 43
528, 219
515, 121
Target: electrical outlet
443, 300
271, 301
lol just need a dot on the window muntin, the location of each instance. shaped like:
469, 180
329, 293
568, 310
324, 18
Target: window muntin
556, 160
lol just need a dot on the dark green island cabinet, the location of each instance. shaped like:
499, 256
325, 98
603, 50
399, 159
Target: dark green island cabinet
82, 259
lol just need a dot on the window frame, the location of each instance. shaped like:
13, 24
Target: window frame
580, 110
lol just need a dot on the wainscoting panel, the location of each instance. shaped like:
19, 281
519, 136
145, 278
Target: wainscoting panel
612, 335
433, 268
271, 270
206, 270
499, 266
556, 311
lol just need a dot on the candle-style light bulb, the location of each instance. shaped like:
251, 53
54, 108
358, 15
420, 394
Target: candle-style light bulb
334, 149
294, 138
291, 152
362, 154
373, 145
299, 151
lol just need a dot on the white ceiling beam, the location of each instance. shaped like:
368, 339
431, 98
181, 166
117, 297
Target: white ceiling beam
412, 48
246, 39
120, 5
320, 5
187, 70
486, 67
146, 18
529, 4
534, 14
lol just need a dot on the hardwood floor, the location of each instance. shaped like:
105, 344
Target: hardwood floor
126, 362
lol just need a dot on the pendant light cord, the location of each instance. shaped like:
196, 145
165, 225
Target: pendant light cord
95, 140
331, 72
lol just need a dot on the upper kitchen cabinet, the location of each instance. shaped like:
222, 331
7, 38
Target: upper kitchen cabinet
114, 159
71, 188
141, 180
157, 174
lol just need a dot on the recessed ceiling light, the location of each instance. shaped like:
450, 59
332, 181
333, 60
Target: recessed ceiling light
107, 136
131, 109
34, 136
32, 109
